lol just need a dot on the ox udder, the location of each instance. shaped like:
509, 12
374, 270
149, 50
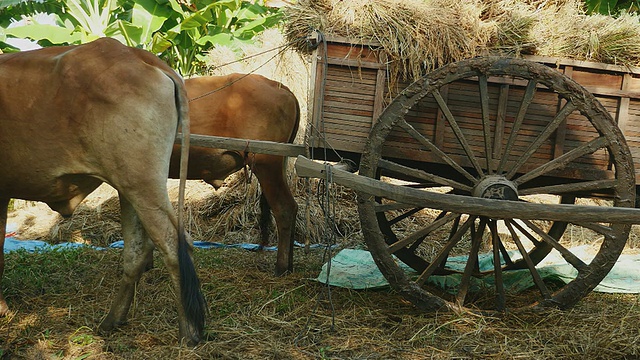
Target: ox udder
72, 117
246, 107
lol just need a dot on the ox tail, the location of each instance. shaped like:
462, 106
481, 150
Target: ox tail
296, 125
193, 302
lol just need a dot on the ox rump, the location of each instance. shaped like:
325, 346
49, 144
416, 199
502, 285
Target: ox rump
247, 106
100, 112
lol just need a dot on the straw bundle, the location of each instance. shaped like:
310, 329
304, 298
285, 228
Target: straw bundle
566, 31
419, 35
415, 34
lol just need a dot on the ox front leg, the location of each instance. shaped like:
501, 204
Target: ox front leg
4, 204
136, 254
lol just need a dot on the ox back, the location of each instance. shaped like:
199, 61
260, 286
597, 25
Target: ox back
246, 107
73, 117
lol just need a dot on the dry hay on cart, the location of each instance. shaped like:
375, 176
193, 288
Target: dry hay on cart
420, 35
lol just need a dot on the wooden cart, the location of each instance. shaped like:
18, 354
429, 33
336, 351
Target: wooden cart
501, 155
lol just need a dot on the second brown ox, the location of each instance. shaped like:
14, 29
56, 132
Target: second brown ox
246, 107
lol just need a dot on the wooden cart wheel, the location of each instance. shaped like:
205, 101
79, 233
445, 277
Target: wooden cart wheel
506, 129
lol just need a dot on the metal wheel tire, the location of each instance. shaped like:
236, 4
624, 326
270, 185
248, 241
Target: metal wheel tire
488, 127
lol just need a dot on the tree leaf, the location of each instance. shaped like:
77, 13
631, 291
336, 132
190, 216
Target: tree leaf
51, 33
149, 16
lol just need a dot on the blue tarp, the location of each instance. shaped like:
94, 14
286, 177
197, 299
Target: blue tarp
13, 244
355, 269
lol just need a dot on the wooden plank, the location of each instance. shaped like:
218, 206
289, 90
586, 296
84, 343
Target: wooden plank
367, 76
622, 117
378, 102
360, 88
352, 41
352, 52
368, 108
500, 121
470, 205
597, 79
583, 64
353, 116
355, 63
596, 90
315, 122
245, 145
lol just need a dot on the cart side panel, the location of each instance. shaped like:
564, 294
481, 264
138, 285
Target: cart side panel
347, 96
351, 89
618, 90
464, 103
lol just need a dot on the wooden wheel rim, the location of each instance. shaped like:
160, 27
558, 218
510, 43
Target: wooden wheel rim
586, 104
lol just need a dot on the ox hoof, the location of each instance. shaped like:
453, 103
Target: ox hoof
283, 272
191, 341
107, 326
4, 309
190, 338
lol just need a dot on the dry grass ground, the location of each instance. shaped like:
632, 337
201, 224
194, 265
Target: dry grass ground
58, 298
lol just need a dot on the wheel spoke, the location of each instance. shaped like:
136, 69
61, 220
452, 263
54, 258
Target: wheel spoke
484, 104
566, 253
524, 105
561, 161
505, 254
472, 262
434, 149
392, 206
566, 110
582, 186
601, 229
537, 279
457, 131
497, 267
442, 256
422, 233
421, 175
403, 216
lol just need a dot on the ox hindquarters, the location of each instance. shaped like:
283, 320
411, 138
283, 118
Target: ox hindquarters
80, 115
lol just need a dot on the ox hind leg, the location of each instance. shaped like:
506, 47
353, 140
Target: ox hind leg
137, 250
144, 219
271, 173
4, 204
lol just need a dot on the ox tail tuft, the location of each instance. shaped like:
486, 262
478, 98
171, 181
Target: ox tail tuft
195, 306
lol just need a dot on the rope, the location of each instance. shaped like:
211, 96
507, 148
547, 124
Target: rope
326, 197
282, 48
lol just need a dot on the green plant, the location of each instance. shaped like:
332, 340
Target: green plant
181, 34
613, 7
190, 33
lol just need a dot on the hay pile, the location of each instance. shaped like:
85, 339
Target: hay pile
420, 35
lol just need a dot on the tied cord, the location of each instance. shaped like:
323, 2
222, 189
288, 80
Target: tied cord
282, 48
326, 197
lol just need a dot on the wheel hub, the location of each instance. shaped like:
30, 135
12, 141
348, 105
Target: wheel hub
495, 187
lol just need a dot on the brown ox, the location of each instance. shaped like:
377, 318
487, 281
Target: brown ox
247, 107
76, 116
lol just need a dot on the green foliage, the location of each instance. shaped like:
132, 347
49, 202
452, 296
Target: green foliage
179, 34
612, 7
